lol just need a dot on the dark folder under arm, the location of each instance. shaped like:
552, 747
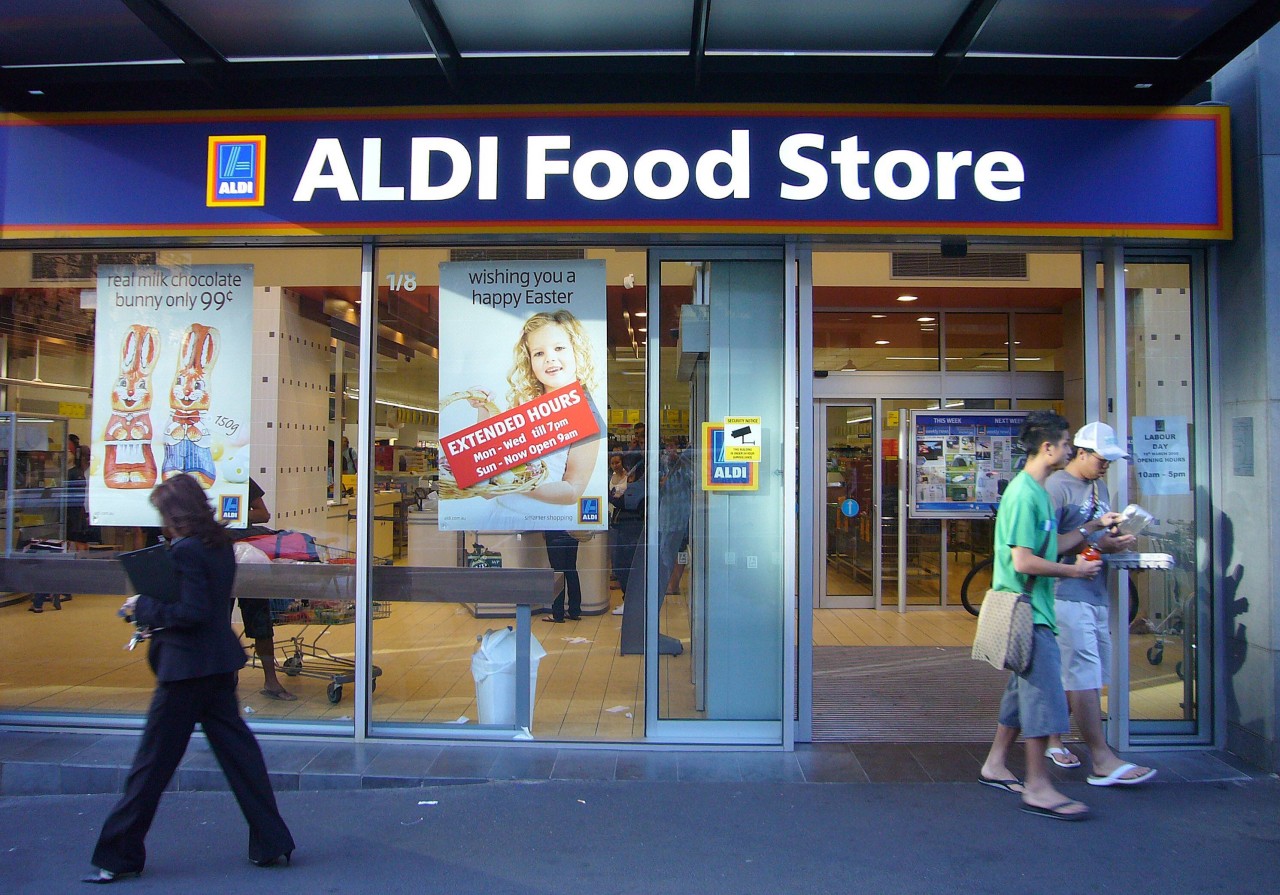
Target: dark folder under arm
151, 572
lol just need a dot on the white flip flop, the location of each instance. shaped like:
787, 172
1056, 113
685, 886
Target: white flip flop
1118, 778
1062, 757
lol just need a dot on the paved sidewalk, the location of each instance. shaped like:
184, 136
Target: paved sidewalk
52, 763
653, 838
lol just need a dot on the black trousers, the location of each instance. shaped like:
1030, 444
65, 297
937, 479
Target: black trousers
562, 555
176, 708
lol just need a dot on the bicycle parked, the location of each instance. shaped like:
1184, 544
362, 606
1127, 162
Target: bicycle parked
978, 582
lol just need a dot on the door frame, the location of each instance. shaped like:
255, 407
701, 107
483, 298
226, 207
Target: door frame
779, 733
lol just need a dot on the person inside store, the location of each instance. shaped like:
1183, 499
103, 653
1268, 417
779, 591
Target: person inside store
256, 614
1080, 500
77, 518
195, 656
562, 556
348, 457
1034, 703
676, 488
617, 487
628, 525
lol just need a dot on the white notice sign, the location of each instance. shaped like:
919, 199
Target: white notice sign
1162, 454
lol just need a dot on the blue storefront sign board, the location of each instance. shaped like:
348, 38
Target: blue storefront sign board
729, 169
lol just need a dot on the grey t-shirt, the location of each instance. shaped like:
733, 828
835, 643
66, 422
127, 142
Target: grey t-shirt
1075, 502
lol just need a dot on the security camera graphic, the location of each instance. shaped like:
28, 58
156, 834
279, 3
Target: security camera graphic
741, 434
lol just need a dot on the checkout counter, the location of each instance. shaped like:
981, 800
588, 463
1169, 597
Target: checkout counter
388, 522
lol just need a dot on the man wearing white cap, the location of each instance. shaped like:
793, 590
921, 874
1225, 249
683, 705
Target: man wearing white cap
1080, 499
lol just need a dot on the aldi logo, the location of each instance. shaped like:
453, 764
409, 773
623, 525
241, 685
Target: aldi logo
589, 510
237, 171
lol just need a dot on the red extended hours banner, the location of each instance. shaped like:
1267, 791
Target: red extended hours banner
549, 423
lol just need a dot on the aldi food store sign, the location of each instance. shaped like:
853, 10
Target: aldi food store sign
723, 169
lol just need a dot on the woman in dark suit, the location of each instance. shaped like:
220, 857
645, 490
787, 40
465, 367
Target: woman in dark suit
195, 656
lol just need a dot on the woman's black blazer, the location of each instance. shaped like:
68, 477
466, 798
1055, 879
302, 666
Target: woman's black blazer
194, 637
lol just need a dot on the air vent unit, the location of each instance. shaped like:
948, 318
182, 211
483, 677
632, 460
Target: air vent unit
517, 254
973, 266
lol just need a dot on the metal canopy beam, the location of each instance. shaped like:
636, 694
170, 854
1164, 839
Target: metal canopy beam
438, 36
956, 44
698, 44
174, 33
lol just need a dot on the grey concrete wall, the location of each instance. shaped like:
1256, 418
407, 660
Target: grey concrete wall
1248, 378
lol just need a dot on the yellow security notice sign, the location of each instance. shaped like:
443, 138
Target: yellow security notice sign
742, 439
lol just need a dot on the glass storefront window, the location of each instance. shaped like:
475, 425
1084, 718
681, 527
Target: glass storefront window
194, 382
453, 356
978, 342
1038, 342
875, 341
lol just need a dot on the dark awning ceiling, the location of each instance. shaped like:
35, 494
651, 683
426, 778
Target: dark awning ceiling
58, 55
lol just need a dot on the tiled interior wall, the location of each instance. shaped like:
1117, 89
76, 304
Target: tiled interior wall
291, 366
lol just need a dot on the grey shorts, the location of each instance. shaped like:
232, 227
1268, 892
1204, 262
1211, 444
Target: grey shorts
1034, 701
1084, 640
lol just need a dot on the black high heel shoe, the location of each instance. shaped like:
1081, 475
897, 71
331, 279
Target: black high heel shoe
273, 861
102, 877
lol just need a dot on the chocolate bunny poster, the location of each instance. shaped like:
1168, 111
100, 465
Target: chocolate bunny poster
172, 386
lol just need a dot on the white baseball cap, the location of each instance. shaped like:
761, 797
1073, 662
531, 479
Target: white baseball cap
1101, 439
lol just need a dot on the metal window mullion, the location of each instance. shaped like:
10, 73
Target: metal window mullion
808, 536
364, 492
793, 396
1116, 412
652, 397
1089, 261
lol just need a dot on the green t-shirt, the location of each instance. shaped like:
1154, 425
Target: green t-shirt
1024, 518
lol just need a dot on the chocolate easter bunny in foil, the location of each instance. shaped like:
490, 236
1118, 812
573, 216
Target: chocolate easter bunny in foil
187, 438
128, 461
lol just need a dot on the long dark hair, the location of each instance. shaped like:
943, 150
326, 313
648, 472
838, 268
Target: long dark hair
185, 511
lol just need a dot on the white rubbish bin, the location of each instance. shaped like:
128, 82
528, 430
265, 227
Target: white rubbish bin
493, 665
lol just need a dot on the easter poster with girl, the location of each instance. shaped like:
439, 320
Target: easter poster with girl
522, 396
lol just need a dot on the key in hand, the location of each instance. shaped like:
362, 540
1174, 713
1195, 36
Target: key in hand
134, 640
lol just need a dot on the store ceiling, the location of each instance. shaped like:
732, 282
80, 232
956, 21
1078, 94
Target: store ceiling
67, 55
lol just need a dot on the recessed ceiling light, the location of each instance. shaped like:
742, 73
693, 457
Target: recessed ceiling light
1142, 86
642, 313
36, 92
925, 319
641, 329
878, 316
882, 341
908, 298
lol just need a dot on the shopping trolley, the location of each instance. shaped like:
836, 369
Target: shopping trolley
302, 655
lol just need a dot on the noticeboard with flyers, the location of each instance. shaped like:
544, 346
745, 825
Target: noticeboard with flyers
961, 461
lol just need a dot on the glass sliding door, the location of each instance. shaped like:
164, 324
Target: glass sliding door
720, 473
850, 532
1168, 631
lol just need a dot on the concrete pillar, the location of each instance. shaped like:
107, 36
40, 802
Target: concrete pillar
1247, 502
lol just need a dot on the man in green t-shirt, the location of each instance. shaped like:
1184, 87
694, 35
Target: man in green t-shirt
1034, 703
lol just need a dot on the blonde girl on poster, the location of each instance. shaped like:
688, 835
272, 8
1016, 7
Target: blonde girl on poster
552, 350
